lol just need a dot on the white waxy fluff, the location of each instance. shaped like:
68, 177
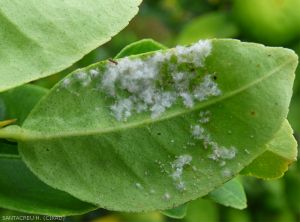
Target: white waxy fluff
154, 83
218, 152
142, 81
177, 173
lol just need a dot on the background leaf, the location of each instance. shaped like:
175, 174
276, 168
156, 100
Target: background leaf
176, 213
9, 148
281, 152
40, 38
230, 194
139, 47
21, 190
234, 215
202, 210
18, 102
207, 26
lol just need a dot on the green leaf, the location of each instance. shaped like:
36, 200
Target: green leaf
40, 38
211, 25
139, 47
202, 210
8, 148
137, 217
20, 190
274, 162
293, 116
297, 80
176, 213
18, 102
231, 194
234, 215
74, 141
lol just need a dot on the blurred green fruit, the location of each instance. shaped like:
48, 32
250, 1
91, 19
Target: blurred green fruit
272, 22
212, 25
196, 7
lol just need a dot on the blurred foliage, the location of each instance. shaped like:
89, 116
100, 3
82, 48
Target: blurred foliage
172, 22
210, 25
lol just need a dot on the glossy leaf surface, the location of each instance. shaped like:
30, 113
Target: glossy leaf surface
40, 38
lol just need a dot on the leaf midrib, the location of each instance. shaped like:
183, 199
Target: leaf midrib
30, 135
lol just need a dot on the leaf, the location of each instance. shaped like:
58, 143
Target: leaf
141, 217
293, 116
176, 213
211, 25
74, 141
8, 148
231, 194
20, 190
296, 87
18, 102
202, 210
40, 38
139, 47
234, 215
274, 162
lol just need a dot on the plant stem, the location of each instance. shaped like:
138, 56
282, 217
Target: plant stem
12, 133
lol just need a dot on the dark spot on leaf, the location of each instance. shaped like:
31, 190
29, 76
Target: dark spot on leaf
158, 134
113, 61
215, 77
253, 113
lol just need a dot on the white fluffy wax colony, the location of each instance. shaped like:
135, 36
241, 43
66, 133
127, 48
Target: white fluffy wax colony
143, 81
155, 82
